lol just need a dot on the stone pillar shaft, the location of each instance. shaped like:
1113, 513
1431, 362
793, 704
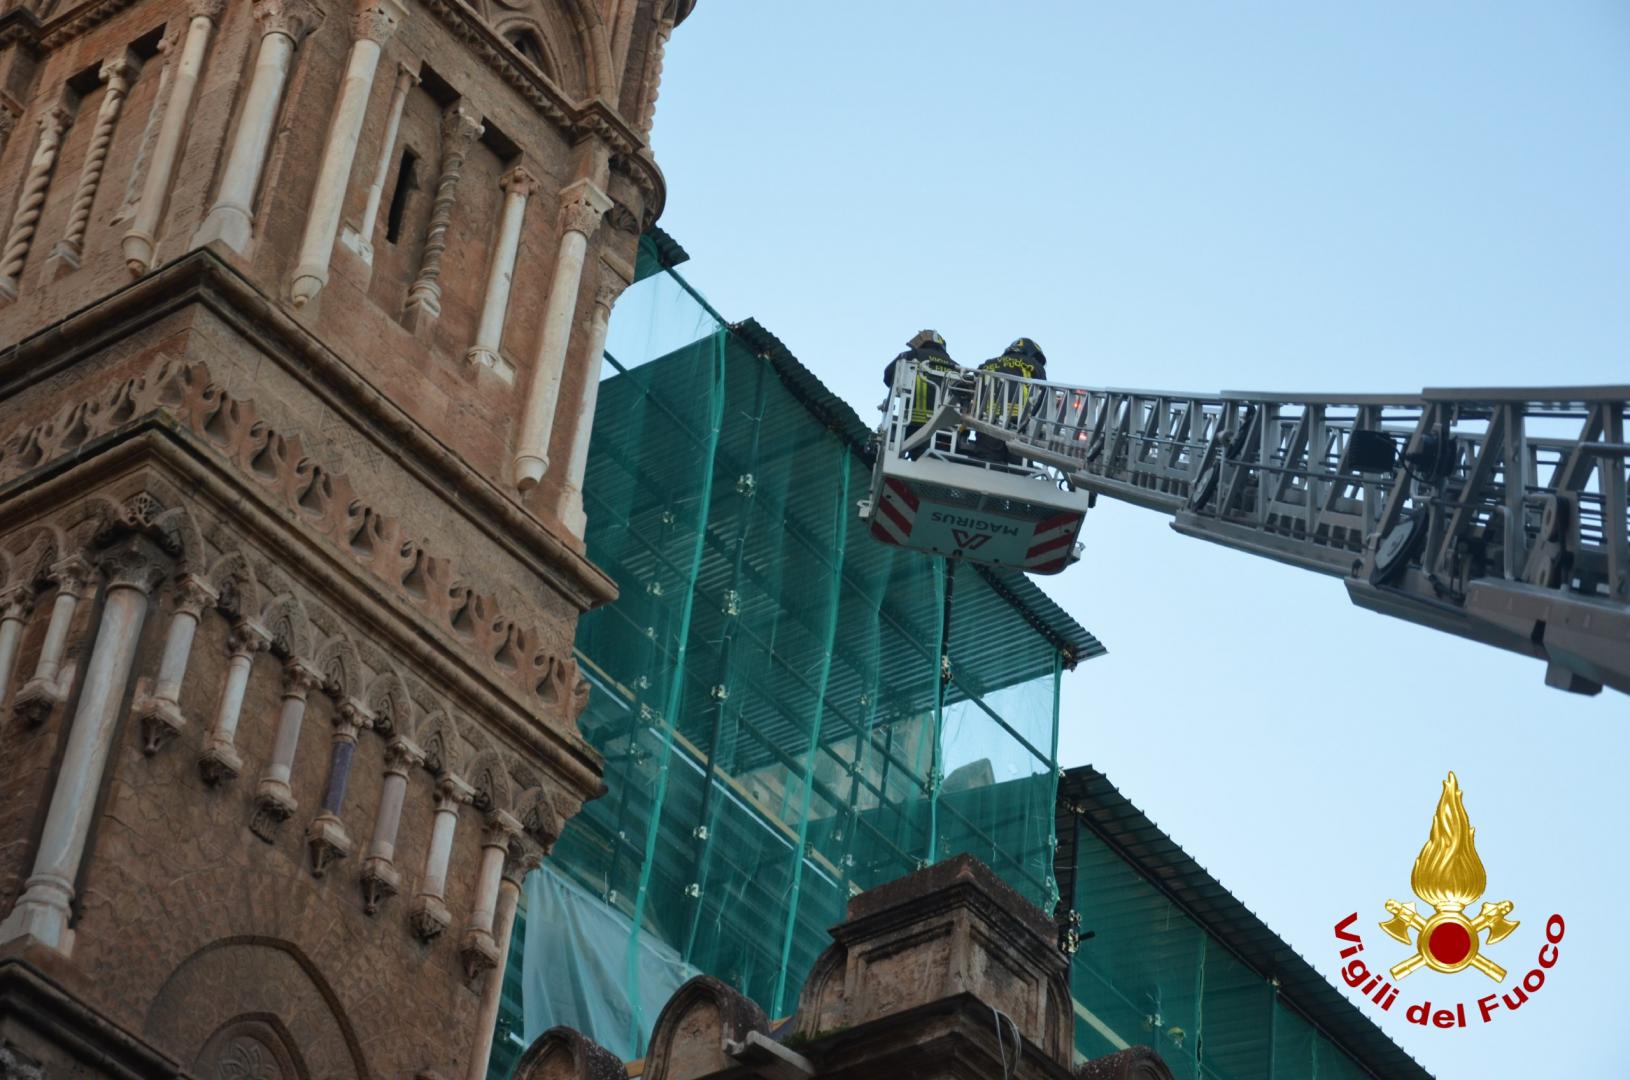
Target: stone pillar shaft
220, 760
460, 128
115, 76
376, 21
139, 240
509, 894
231, 219
570, 507
44, 689
580, 215
160, 709
43, 909
406, 79
518, 185
441, 848
15, 604
380, 878
20, 237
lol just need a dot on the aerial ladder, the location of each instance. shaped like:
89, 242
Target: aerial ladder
1495, 514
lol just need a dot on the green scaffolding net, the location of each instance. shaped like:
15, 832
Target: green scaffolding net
1151, 975
767, 692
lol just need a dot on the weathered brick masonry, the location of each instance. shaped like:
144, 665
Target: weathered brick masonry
302, 303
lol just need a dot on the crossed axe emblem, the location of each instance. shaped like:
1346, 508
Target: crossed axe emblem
1448, 941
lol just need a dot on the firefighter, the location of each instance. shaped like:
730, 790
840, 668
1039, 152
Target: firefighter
935, 369
1025, 360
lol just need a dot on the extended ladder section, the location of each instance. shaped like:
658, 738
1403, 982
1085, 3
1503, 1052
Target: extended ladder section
1496, 514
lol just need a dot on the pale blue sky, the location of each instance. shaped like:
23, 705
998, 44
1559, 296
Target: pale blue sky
1243, 196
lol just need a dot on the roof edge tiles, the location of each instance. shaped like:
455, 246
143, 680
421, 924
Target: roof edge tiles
1072, 641
1087, 798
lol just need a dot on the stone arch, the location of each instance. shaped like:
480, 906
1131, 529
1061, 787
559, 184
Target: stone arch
284, 616
89, 522
440, 742
250, 987
689, 1036
489, 776
32, 563
535, 810
564, 1054
342, 671
575, 40
391, 705
253, 1047
233, 578
181, 530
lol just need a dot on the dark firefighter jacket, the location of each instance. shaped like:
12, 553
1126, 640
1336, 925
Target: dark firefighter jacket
1024, 368
926, 393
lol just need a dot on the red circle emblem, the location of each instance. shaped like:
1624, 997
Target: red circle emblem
1450, 943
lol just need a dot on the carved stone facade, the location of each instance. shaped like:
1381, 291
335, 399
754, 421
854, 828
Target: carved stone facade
945, 973
287, 695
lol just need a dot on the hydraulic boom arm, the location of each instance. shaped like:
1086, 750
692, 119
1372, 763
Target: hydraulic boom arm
1496, 514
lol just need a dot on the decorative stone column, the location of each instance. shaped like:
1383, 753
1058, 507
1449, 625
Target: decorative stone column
274, 798
570, 507
220, 760
524, 858
139, 240
429, 914
20, 237
583, 204
478, 947
284, 24
116, 75
380, 878
326, 836
34, 702
376, 21
133, 568
362, 240
518, 185
159, 710
460, 128
16, 604
166, 51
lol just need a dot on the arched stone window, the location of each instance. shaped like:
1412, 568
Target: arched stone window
530, 46
249, 1048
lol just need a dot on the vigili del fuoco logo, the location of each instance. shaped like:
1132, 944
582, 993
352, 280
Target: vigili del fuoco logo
1449, 877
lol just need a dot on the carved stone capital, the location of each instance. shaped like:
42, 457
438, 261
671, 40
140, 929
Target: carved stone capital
402, 754
72, 575
606, 292
34, 702
519, 182
581, 207
161, 720
499, 828
274, 804
451, 790
193, 594
219, 763
135, 563
247, 638
380, 882
55, 120
294, 19
460, 127
300, 677
428, 917
406, 77
328, 841
119, 71
377, 20
16, 603
206, 9
525, 856
352, 716
479, 952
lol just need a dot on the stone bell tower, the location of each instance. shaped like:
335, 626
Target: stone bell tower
301, 310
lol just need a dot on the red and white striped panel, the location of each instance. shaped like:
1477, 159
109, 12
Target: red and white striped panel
896, 513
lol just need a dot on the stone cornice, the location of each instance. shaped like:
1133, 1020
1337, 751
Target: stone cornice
591, 118
162, 440
202, 277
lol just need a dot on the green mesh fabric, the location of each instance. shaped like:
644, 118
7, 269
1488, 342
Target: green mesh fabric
766, 690
1152, 975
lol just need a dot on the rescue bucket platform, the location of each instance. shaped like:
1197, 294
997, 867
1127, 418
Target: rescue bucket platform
940, 486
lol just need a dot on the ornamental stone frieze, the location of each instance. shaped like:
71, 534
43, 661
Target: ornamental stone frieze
327, 503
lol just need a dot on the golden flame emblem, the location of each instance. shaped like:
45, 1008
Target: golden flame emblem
1449, 876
